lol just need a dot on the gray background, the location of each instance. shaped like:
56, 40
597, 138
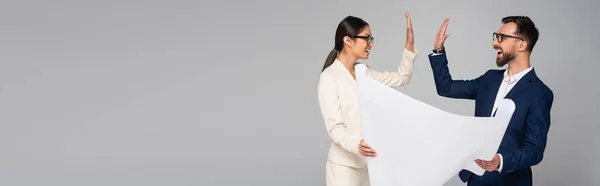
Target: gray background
208, 93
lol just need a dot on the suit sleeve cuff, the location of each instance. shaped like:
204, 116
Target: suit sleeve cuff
355, 142
501, 162
436, 54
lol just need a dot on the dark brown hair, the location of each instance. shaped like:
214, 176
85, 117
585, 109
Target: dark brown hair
525, 28
349, 26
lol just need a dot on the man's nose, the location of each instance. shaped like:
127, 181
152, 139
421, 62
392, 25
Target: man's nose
495, 43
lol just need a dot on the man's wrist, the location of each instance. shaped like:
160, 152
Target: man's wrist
500, 163
439, 50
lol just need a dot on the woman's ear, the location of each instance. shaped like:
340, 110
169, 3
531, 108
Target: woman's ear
347, 41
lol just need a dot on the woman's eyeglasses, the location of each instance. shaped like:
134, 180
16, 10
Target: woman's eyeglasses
370, 39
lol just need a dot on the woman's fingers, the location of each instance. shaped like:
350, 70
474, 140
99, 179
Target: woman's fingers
408, 22
366, 151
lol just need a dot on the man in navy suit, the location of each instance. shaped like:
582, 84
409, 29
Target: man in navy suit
525, 138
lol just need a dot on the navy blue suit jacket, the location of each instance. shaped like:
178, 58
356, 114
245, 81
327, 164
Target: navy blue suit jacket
524, 141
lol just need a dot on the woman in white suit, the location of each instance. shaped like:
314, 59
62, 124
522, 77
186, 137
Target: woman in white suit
346, 165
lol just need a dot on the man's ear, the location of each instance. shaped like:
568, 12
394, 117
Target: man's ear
523, 46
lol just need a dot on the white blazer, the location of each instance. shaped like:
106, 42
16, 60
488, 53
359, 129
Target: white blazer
338, 104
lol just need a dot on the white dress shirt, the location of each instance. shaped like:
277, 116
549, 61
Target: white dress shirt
508, 82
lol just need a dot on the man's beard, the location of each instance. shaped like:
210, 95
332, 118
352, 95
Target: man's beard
506, 57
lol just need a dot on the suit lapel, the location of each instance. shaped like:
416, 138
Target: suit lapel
524, 83
494, 85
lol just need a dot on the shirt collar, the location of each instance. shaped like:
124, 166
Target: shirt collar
516, 77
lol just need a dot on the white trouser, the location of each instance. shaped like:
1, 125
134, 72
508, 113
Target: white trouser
339, 175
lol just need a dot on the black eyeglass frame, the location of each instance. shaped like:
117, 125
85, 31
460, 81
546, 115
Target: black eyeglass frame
500, 36
370, 39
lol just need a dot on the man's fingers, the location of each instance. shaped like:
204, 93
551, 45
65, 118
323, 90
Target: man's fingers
483, 162
442, 30
480, 163
485, 165
445, 25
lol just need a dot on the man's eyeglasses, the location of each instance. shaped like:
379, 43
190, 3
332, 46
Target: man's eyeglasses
499, 37
370, 39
